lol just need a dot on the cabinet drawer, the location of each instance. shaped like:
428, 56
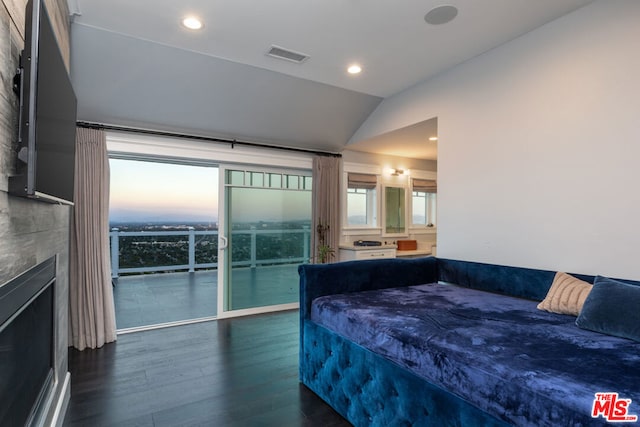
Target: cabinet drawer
381, 253
349, 255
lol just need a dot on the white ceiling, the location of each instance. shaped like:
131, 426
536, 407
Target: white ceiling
134, 64
410, 141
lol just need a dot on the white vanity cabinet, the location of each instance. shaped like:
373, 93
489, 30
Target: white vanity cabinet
352, 253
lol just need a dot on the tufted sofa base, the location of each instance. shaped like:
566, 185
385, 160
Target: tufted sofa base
369, 390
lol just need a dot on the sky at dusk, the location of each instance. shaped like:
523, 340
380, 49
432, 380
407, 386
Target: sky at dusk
154, 192
151, 191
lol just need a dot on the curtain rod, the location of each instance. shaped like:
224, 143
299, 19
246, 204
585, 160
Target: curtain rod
232, 142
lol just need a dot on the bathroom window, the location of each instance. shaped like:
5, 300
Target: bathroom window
423, 206
362, 205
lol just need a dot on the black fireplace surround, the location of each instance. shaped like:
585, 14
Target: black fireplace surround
26, 344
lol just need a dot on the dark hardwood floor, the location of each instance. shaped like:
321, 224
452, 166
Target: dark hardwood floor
232, 372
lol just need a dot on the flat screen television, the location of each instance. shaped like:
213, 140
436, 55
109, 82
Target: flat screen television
46, 136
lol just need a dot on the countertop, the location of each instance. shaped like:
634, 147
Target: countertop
366, 248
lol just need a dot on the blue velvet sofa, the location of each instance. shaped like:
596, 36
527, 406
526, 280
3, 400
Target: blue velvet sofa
441, 342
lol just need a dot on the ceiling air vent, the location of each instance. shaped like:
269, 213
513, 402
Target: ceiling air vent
287, 55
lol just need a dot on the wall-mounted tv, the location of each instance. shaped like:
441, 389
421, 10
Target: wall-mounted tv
47, 130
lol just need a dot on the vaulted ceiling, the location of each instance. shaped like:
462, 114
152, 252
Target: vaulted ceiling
134, 64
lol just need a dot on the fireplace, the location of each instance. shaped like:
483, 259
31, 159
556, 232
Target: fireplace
27, 345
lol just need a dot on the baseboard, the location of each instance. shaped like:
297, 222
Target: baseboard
62, 404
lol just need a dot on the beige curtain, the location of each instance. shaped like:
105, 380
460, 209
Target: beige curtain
326, 204
91, 309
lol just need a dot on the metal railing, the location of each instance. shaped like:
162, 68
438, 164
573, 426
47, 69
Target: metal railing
253, 260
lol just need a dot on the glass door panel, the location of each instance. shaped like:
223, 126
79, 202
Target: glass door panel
163, 219
268, 232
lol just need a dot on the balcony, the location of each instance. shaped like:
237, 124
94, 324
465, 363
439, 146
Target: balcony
184, 283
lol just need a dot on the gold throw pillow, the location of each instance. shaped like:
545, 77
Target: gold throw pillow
566, 295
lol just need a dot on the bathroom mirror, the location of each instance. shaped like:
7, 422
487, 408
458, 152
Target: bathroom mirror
395, 211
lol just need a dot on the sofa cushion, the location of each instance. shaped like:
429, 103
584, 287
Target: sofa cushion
566, 295
612, 308
501, 354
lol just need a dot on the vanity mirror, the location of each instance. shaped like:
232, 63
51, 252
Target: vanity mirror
394, 211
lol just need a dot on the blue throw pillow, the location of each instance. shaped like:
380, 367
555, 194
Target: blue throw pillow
612, 308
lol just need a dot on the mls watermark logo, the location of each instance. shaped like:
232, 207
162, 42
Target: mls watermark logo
612, 408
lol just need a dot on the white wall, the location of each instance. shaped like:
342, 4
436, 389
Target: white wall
539, 146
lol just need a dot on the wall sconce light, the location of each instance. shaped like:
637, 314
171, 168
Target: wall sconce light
399, 172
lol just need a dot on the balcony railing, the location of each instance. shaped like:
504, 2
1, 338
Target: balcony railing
247, 253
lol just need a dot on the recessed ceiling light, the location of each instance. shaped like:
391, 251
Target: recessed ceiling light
354, 69
192, 23
433, 138
441, 15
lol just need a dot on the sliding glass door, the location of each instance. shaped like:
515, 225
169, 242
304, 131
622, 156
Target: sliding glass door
180, 252
266, 236
163, 219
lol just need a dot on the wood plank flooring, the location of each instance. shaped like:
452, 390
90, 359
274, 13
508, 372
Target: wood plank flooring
231, 372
